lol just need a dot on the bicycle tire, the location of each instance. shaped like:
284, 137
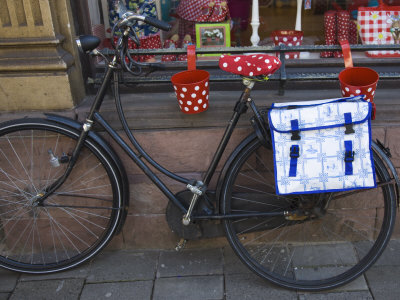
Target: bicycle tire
313, 254
76, 221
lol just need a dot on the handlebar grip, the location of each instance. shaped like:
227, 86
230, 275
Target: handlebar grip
157, 23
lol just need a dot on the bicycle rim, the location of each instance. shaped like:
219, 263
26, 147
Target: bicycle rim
339, 241
75, 222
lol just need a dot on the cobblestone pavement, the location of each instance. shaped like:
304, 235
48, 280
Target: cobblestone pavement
190, 275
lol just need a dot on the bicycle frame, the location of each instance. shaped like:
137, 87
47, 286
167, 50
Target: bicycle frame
196, 187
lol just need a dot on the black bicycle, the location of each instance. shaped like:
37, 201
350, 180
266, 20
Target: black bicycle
64, 194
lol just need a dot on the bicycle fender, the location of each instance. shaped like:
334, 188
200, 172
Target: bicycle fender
383, 154
123, 178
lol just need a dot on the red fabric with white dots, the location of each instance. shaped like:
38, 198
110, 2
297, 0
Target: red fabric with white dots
250, 65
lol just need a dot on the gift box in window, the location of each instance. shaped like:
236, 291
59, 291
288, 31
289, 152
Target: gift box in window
380, 26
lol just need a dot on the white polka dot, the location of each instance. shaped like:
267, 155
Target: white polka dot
196, 87
296, 56
258, 69
207, 97
287, 56
204, 92
285, 39
290, 44
196, 108
199, 101
184, 89
276, 38
222, 56
260, 57
267, 61
175, 87
224, 65
269, 67
370, 89
193, 95
251, 74
204, 105
239, 68
358, 91
206, 84
346, 89
368, 100
186, 108
189, 103
351, 95
295, 39
343, 92
181, 102
182, 95
373, 93
237, 59
254, 56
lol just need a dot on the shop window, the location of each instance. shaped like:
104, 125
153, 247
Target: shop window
216, 23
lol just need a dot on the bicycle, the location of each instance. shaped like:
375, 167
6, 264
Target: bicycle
64, 194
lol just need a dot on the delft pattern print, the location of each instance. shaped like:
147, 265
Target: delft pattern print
321, 164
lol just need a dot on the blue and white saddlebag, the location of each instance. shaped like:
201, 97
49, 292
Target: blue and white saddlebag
322, 146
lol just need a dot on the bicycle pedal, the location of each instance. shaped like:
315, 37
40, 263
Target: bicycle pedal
181, 245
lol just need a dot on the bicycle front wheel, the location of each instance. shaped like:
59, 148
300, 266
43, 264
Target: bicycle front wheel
332, 239
76, 221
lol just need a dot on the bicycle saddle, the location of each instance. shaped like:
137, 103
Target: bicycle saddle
250, 65
88, 42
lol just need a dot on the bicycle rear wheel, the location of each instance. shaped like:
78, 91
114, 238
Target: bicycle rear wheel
332, 242
76, 221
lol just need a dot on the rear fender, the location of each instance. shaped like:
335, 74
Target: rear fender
123, 178
384, 154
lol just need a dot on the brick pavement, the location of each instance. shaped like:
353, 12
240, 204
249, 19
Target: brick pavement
190, 274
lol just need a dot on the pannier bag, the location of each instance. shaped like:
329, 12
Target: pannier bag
322, 146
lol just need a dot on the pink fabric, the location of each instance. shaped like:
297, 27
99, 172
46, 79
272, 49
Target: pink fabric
191, 10
250, 65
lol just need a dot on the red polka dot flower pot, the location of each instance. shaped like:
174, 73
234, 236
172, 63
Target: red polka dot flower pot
359, 81
192, 86
288, 38
192, 90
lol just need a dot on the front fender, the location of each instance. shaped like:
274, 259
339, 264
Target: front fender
123, 178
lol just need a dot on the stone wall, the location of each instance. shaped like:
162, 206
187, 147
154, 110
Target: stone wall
39, 63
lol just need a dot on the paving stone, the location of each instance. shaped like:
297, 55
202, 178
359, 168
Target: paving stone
189, 288
250, 286
384, 282
118, 290
390, 257
68, 289
358, 284
78, 272
4, 296
329, 254
337, 296
232, 264
123, 266
190, 262
8, 280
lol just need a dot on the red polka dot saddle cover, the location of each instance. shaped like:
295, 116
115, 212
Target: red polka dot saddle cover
250, 65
